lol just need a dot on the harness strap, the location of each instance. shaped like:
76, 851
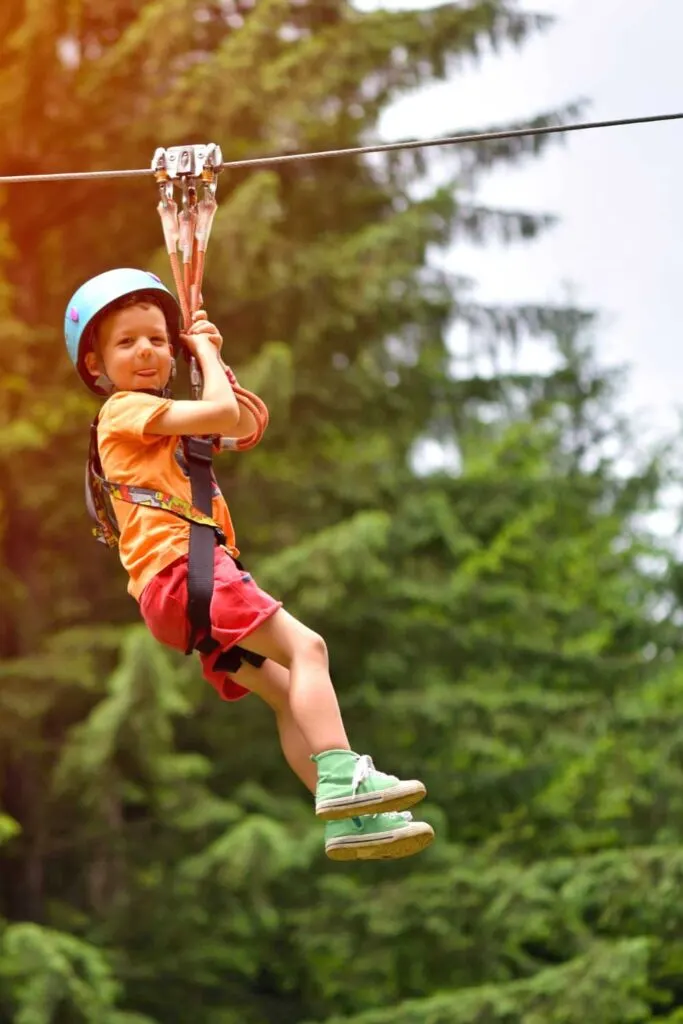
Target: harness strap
168, 502
99, 492
200, 569
205, 533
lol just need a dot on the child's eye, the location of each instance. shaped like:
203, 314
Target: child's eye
158, 340
124, 341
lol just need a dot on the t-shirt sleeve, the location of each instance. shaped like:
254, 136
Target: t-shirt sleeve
131, 413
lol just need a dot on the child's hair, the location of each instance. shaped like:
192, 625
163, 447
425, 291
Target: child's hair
125, 302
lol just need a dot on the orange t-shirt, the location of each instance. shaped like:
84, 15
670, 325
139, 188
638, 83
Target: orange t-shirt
151, 538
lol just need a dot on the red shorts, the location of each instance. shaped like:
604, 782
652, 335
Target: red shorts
238, 607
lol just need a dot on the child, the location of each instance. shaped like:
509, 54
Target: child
121, 328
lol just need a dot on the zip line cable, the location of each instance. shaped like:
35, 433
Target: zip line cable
265, 161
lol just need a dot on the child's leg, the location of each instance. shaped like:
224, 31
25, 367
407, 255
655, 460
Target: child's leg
271, 683
312, 701
300, 690
373, 837
347, 784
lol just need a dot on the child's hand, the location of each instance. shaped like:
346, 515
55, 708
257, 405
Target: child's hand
201, 334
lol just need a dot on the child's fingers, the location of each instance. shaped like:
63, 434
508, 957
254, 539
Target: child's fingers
187, 341
200, 314
195, 339
203, 327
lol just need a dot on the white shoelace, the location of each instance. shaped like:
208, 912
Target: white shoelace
363, 770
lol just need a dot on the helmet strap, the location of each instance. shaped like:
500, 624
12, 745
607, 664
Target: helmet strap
166, 392
105, 383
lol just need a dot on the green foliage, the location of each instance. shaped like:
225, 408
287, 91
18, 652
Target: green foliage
607, 985
8, 828
46, 972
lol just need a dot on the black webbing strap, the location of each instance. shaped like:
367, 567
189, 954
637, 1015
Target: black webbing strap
200, 569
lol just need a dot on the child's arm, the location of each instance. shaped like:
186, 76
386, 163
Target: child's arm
217, 412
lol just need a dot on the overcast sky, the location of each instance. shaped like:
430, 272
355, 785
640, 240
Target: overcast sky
617, 192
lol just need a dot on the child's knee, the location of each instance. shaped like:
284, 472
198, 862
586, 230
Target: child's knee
311, 646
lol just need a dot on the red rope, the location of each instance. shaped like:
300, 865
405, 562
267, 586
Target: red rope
188, 284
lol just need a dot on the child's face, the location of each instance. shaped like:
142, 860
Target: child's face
133, 349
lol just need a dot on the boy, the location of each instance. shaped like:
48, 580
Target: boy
121, 328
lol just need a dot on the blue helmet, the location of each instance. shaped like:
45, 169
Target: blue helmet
99, 292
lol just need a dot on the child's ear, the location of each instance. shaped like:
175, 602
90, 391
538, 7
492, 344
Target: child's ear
92, 364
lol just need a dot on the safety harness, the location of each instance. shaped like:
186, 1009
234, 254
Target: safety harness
189, 167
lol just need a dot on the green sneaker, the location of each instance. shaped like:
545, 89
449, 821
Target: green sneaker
376, 837
349, 785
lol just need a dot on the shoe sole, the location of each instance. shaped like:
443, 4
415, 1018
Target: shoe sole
403, 842
396, 798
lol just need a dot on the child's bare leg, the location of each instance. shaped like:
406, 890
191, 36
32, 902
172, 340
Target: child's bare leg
271, 683
347, 784
312, 701
369, 838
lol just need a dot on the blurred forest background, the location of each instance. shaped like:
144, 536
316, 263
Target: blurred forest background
507, 630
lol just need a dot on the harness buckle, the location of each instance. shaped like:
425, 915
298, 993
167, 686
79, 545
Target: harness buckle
199, 448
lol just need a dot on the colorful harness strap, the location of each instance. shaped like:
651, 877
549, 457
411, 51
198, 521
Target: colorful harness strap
158, 499
99, 493
205, 532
